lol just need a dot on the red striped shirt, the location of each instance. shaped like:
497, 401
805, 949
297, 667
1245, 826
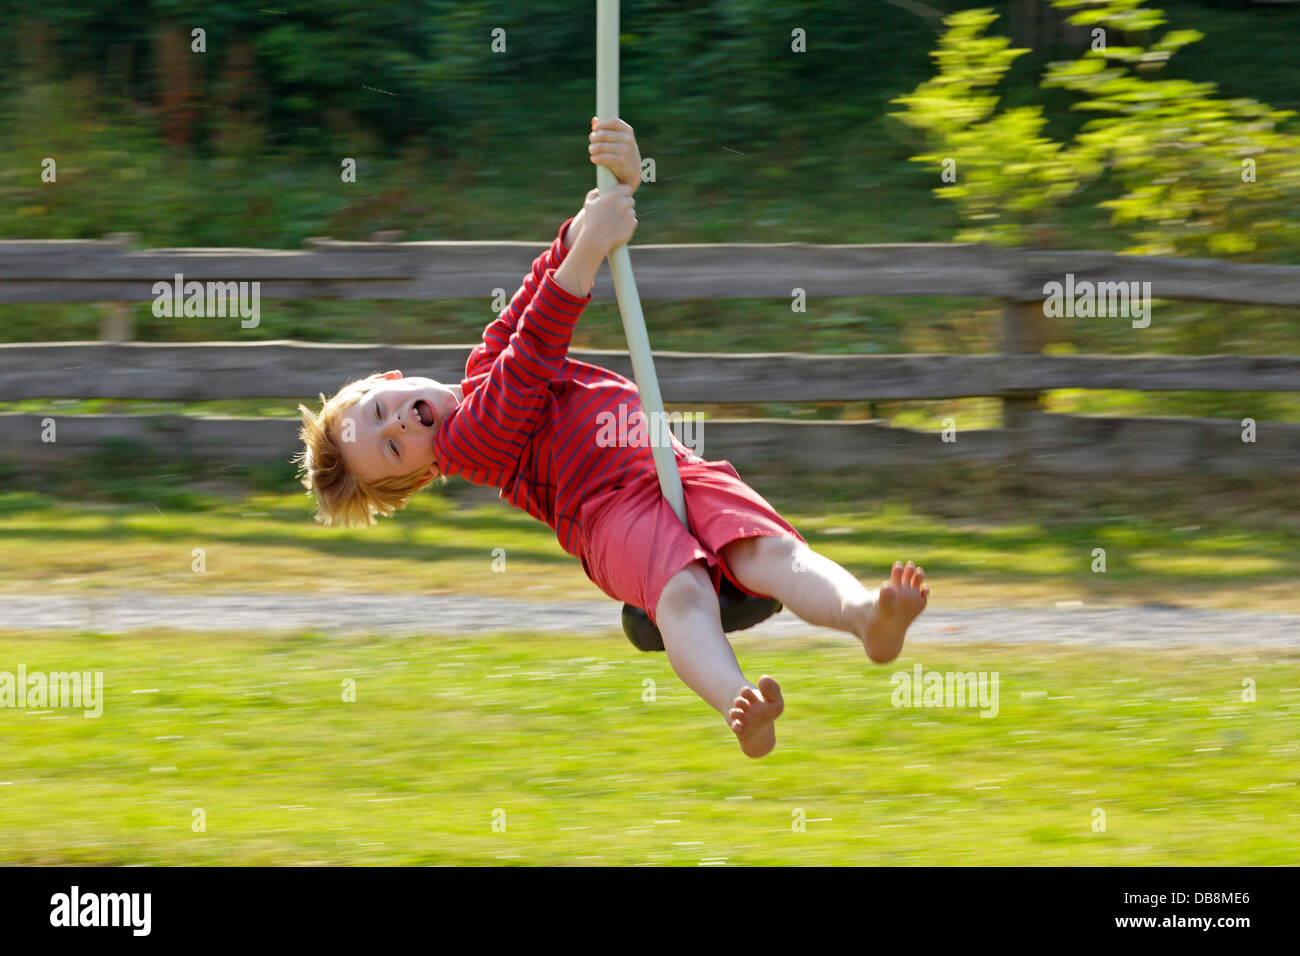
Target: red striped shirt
536, 423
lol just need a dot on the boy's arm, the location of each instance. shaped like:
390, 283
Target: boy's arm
497, 332
496, 420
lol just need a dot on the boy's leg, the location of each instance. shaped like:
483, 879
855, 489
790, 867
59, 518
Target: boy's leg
821, 592
689, 620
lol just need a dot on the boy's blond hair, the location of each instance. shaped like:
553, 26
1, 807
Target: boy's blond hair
341, 497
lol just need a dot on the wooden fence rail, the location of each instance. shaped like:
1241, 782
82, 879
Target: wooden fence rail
113, 272
1055, 443
221, 370
110, 271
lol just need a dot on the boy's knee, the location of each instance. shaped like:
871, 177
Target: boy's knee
763, 547
688, 590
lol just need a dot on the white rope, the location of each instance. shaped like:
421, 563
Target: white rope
620, 268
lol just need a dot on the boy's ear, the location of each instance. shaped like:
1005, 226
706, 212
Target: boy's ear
392, 376
428, 476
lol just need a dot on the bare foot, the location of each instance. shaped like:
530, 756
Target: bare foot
899, 601
752, 716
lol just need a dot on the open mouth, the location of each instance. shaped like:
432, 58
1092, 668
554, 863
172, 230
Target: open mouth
423, 411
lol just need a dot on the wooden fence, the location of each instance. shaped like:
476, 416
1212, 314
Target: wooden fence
112, 272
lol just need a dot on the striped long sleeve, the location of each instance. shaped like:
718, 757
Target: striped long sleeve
497, 334
495, 421
548, 430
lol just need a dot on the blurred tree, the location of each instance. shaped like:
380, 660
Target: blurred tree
1042, 26
177, 90
1007, 179
425, 70
1198, 174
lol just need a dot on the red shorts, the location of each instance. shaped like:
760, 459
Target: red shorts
632, 542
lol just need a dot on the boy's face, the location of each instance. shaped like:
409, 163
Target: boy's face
393, 426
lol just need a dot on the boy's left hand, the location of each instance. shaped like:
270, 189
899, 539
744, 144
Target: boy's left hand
613, 144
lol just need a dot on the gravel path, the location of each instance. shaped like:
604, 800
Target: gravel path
406, 614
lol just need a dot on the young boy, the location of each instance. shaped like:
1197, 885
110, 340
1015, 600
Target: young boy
527, 419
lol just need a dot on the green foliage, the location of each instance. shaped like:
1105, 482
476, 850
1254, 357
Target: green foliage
1200, 173
425, 70
1007, 174
242, 145
1197, 173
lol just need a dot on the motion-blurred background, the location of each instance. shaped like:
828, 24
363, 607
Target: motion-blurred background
165, 481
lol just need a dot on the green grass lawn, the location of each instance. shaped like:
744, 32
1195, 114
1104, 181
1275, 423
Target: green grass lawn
987, 537
556, 733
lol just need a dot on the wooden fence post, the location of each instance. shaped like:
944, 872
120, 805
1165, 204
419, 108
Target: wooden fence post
115, 324
1024, 332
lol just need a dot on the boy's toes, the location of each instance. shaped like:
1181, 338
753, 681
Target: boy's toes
896, 574
885, 599
918, 578
909, 571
